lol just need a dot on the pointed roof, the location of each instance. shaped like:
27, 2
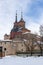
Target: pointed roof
21, 20
16, 17
21, 15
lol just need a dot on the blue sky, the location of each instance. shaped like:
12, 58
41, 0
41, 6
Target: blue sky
32, 14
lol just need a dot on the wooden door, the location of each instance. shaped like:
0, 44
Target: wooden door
0, 51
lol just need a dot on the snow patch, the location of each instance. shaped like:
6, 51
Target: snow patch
16, 60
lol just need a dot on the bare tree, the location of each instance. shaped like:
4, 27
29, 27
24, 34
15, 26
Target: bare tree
41, 37
41, 30
33, 39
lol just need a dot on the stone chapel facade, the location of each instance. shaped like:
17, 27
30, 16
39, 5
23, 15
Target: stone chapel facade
19, 41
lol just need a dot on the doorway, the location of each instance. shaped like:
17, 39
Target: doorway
0, 51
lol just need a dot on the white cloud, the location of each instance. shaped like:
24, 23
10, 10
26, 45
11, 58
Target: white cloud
32, 25
7, 15
40, 20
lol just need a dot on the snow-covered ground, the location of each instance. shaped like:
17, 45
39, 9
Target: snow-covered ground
15, 60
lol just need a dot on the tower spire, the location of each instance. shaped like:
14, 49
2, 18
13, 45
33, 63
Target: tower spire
21, 15
16, 17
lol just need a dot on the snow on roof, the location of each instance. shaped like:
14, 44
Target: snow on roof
29, 32
6, 40
40, 42
24, 39
25, 32
11, 41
